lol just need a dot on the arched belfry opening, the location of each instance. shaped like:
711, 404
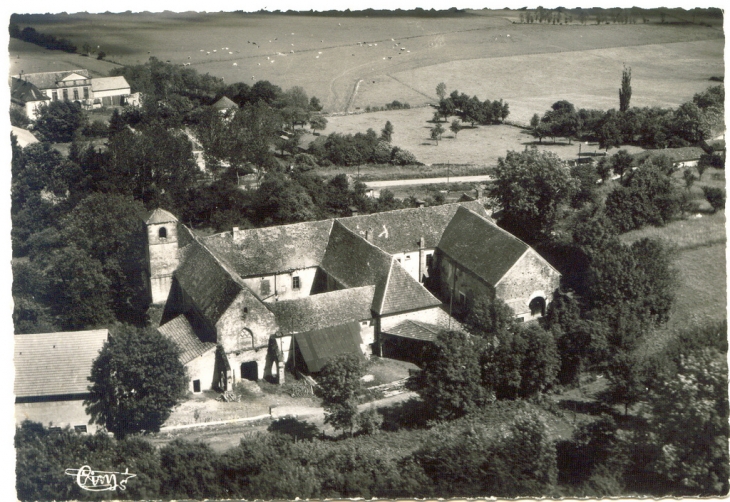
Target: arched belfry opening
162, 233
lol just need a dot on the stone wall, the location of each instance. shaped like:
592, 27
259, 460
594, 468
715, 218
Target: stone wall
530, 277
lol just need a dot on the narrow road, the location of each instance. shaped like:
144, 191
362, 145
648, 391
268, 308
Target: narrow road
427, 181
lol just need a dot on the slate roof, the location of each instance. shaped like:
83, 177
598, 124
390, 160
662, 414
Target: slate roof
22, 92
109, 84
317, 346
25, 137
48, 80
224, 104
481, 246
52, 364
261, 251
400, 230
159, 216
181, 332
324, 310
208, 283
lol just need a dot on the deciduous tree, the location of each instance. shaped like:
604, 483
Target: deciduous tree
135, 382
338, 386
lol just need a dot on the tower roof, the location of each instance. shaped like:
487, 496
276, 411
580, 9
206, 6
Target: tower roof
159, 216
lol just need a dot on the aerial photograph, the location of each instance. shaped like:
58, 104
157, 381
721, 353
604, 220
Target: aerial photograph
388, 252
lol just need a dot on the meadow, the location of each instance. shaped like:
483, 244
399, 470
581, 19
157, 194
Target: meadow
403, 58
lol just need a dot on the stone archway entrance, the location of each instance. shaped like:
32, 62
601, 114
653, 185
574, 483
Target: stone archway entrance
537, 306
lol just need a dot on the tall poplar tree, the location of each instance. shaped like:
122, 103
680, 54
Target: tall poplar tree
624, 94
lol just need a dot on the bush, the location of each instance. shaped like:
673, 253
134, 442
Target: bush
96, 129
370, 421
715, 196
305, 160
402, 157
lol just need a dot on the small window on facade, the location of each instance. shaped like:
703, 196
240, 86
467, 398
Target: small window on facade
429, 260
163, 233
364, 323
55, 95
520, 319
265, 287
196, 385
295, 284
398, 260
80, 428
65, 94
408, 257
86, 93
245, 310
76, 94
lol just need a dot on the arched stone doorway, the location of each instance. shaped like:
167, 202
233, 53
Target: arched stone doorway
537, 306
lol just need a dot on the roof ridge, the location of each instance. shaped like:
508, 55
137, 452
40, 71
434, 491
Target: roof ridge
385, 286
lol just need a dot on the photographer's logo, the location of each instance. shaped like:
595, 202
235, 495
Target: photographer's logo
100, 481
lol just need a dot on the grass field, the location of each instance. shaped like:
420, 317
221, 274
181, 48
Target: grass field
483, 53
700, 245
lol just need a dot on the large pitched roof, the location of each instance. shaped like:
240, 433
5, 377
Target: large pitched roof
419, 330
261, 251
52, 364
355, 262
481, 246
323, 310
109, 83
318, 346
181, 332
22, 92
400, 230
675, 154
208, 283
48, 80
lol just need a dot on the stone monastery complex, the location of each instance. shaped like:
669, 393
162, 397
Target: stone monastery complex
243, 304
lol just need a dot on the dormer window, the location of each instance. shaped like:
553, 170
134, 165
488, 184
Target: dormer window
163, 233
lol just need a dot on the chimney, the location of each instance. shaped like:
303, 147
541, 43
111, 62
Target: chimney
353, 211
236, 233
421, 243
368, 235
480, 192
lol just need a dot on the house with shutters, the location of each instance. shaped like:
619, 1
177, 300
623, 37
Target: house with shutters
51, 377
248, 303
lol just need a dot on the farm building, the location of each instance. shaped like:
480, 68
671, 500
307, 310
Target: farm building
31, 90
298, 294
224, 104
682, 157
51, 377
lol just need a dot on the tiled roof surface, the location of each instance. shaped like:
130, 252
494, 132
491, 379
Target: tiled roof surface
47, 80
159, 216
481, 246
319, 345
261, 251
325, 309
181, 332
51, 364
403, 293
400, 230
109, 84
415, 330
224, 104
210, 286
22, 92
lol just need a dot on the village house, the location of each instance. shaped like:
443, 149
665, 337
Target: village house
51, 377
298, 294
29, 91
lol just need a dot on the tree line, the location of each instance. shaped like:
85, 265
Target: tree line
648, 127
50, 42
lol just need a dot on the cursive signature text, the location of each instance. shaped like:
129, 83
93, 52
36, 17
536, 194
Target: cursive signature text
99, 481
